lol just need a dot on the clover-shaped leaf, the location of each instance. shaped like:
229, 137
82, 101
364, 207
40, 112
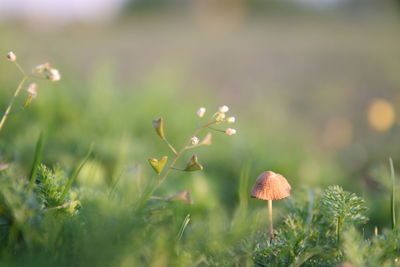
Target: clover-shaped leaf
158, 164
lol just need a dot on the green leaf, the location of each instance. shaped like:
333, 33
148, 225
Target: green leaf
158, 164
75, 174
193, 165
37, 159
159, 126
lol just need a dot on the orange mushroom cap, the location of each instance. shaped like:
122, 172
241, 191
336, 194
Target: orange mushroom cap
271, 186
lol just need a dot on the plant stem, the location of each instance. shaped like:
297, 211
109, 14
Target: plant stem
16, 93
393, 195
338, 228
170, 146
20, 68
271, 227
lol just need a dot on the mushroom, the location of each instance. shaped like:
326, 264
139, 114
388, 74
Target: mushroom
271, 186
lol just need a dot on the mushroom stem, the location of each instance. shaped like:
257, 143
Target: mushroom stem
271, 227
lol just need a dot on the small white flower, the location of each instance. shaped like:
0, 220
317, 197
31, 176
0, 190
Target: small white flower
42, 67
223, 109
54, 75
230, 131
220, 117
201, 112
32, 90
11, 56
194, 140
231, 120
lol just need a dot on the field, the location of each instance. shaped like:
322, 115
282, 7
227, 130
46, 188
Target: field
314, 98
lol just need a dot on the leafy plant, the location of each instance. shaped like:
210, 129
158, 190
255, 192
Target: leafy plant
308, 234
343, 208
51, 186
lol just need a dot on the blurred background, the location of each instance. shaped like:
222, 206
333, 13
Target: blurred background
314, 86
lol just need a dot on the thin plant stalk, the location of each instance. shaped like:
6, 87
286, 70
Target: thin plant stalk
181, 151
9, 107
271, 227
37, 159
170, 146
16, 93
338, 229
393, 195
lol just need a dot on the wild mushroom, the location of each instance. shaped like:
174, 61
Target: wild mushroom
271, 186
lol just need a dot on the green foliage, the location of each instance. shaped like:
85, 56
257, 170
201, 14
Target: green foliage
342, 208
121, 223
50, 188
20, 213
307, 236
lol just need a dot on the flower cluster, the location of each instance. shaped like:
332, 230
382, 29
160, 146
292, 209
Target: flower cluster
220, 117
50, 73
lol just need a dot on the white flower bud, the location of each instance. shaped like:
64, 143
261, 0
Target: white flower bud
194, 140
11, 56
223, 109
32, 90
201, 112
231, 120
220, 117
230, 131
54, 75
42, 67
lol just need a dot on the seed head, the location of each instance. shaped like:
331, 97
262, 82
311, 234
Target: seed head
230, 131
32, 90
201, 112
42, 67
223, 109
54, 75
231, 120
220, 117
11, 56
194, 140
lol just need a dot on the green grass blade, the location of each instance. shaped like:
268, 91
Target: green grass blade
75, 174
243, 191
393, 196
37, 159
310, 209
183, 227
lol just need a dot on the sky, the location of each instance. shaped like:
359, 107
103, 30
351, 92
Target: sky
60, 11
65, 11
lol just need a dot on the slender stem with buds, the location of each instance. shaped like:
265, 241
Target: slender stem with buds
16, 93
180, 152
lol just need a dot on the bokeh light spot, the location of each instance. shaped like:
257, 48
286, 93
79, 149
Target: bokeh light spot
381, 115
